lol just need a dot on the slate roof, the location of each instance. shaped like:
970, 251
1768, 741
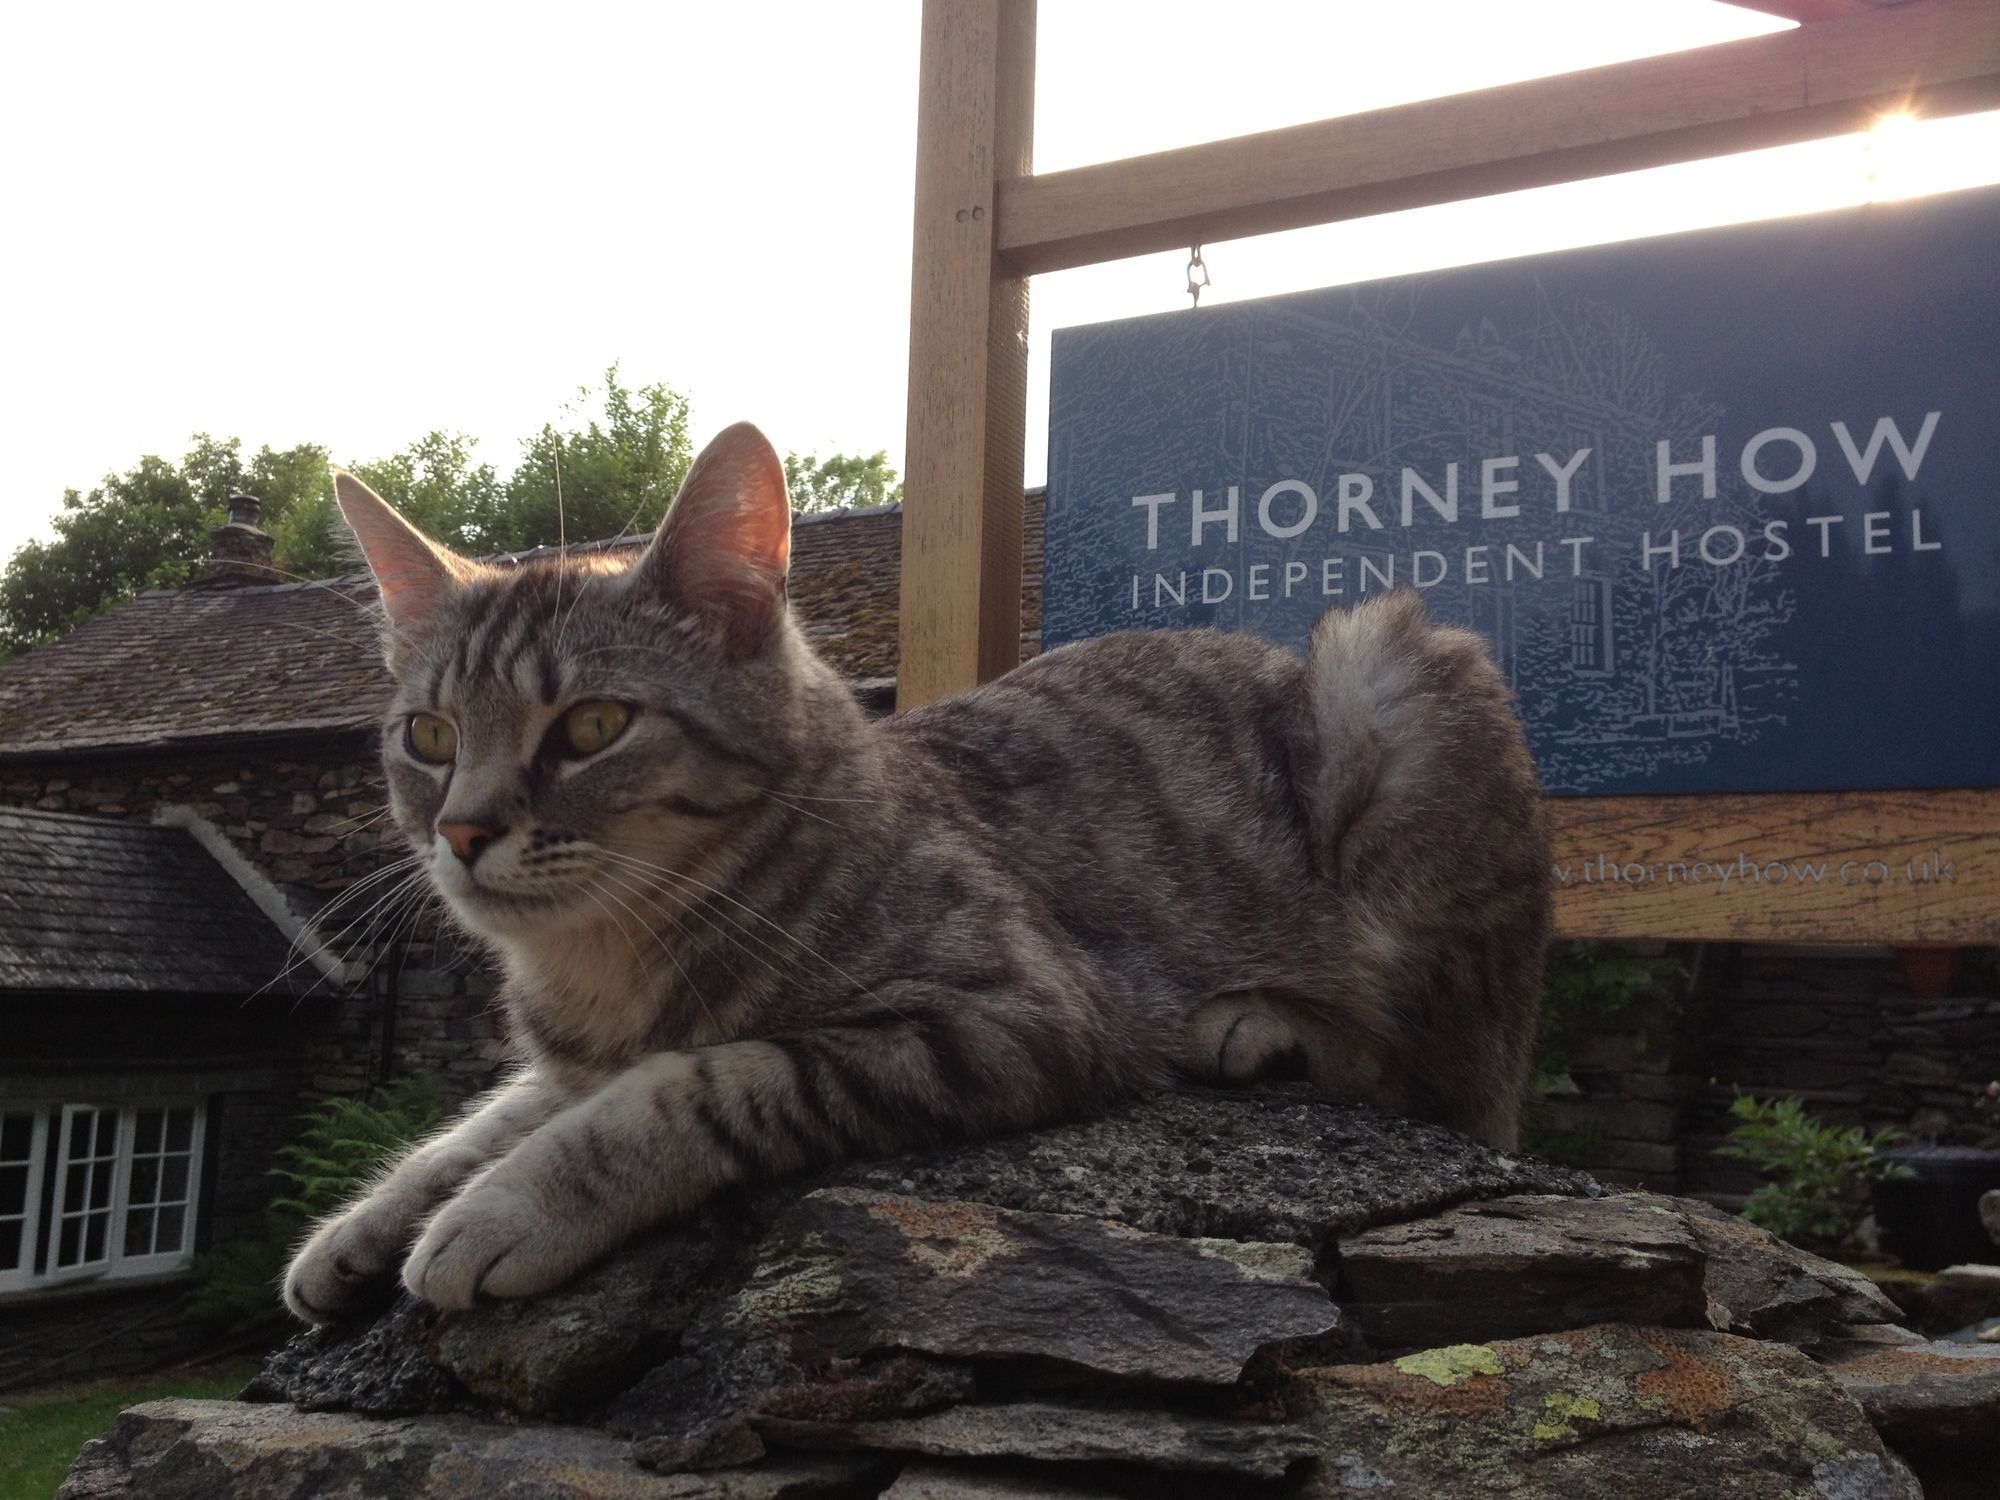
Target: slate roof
216, 665
92, 905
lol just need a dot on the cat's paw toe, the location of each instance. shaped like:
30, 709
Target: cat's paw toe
346, 1268
489, 1242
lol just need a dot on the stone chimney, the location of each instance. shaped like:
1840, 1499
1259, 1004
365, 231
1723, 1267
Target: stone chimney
240, 552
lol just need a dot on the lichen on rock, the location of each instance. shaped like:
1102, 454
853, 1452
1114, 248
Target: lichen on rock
1201, 1294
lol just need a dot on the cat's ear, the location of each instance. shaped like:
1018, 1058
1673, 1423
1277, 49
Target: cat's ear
723, 550
415, 574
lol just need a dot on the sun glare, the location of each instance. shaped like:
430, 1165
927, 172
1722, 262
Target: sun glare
1891, 156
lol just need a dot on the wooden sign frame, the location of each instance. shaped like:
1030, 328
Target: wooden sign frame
1897, 867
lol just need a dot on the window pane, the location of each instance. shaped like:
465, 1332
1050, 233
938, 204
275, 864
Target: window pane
172, 1220
75, 1181
72, 1230
17, 1136
93, 1239
174, 1187
149, 1130
100, 1186
139, 1232
180, 1129
13, 1190
107, 1132
145, 1181
10, 1246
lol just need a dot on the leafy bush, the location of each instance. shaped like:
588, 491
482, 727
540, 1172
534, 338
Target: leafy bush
1588, 986
340, 1144
1819, 1173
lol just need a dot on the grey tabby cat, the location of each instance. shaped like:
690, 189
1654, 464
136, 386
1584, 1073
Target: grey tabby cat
746, 930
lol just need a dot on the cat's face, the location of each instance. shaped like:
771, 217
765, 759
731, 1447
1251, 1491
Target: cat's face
563, 729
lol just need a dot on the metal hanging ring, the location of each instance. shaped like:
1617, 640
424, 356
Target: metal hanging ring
1197, 274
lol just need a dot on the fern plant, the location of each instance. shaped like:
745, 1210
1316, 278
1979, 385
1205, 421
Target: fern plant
1819, 1173
343, 1140
340, 1144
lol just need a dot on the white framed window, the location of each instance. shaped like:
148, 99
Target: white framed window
23, 1142
97, 1189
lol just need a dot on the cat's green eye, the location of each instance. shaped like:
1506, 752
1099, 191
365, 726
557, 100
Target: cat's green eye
432, 738
589, 727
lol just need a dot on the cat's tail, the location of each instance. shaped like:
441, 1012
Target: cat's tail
1428, 819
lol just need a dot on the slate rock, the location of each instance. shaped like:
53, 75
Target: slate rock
1989, 1213
1051, 1432
196, 1450
1761, 1286
958, 1482
591, 1339
849, 1272
694, 1412
1929, 1397
697, 1413
1272, 1164
381, 1369
1612, 1411
1532, 1264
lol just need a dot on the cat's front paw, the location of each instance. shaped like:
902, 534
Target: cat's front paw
347, 1266
493, 1240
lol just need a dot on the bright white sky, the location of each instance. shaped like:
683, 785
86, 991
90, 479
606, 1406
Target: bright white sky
351, 224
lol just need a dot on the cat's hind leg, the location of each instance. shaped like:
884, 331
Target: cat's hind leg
1242, 1037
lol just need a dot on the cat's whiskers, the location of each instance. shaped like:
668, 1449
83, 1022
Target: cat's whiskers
722, 895
686, 980
734, 934
359, 821
812, 797
590, 891
322, 940
764, 791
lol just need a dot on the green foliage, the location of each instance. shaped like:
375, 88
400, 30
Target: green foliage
1580, 1147
620, 455
620, 452
339, 1146
343, 1140
1819, 1173
1589, 986
844, 480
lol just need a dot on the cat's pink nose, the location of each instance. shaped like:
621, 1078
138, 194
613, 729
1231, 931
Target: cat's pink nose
468, 840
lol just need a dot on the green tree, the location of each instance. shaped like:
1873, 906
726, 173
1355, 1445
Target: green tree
608, 467
145, 528
840, 481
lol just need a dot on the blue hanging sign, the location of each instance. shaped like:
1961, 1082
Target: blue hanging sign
1727, 503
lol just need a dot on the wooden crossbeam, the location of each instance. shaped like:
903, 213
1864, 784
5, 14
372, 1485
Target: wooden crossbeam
1933, 56
1814, 10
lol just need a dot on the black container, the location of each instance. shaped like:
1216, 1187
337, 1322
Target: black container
1930, 1219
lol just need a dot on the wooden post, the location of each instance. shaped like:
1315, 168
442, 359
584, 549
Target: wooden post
964, 464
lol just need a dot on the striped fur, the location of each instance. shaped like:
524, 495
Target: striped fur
760, 932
